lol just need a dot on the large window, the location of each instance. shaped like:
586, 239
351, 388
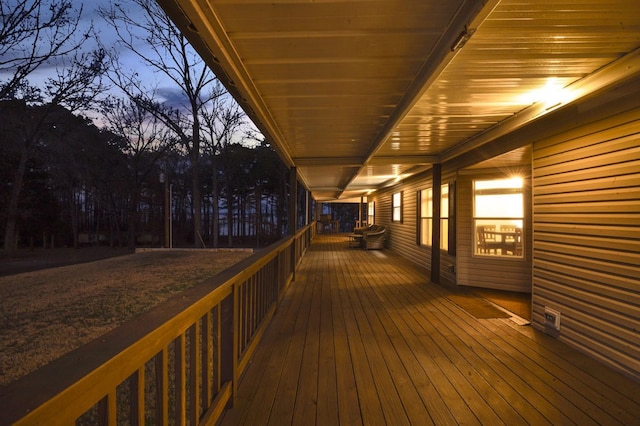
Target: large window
371, 212
444, 217
426, 216
498, 217
396, 207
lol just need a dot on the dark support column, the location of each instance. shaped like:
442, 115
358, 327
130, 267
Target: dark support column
435, 237
293, 200
307, 213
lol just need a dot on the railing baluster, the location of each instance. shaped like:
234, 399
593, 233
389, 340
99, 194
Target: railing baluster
162, 387
136, 395
254, 298
112, 408
194, 372
179, 380
218, 364
205, 332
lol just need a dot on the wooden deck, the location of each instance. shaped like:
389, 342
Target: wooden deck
362, 337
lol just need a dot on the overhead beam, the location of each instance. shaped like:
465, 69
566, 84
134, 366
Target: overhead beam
403, 159
327, 161
470, 15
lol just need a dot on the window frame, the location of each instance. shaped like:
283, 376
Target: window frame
425, 221
396, 206
444, 217
371, 212
500, 221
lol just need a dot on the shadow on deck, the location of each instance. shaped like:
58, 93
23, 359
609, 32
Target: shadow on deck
362, 337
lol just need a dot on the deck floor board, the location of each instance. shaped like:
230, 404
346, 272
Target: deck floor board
363, 337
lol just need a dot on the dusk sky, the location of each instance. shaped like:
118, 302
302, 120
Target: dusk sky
107, 36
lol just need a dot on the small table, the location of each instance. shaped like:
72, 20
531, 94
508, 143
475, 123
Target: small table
355, 240
507, 242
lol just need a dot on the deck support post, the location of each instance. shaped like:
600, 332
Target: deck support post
293, 200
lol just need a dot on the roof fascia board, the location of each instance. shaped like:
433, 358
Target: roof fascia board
199, 23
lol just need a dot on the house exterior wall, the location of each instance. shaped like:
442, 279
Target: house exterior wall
586, 237
461, 268
583, 230
402, 236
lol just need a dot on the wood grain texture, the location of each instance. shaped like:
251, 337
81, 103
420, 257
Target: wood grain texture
362, 337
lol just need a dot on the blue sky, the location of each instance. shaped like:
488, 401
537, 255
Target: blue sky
107, 36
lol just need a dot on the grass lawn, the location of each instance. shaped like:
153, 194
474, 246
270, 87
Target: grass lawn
49, 312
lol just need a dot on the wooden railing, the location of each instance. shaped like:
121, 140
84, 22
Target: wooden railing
177, 364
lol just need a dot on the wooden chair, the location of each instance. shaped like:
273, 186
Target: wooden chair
373, 238
515, 245
326, 223
486, 240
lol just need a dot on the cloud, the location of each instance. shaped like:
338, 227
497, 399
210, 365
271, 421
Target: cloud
173, 97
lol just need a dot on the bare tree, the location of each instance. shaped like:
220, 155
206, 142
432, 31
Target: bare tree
221, 119
34, 33
146, 142
147, 32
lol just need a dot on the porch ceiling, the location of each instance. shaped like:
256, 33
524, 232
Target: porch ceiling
357, 94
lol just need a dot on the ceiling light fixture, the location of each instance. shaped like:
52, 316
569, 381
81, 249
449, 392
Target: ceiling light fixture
462, 39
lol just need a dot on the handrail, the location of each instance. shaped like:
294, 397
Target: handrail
181, 361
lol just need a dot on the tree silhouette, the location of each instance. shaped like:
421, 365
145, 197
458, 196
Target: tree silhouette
34, 33
159, 45
146, 141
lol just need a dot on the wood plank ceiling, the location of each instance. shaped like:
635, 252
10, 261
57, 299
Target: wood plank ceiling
358, 94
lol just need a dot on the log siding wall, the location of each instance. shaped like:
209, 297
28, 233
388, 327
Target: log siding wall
586, 240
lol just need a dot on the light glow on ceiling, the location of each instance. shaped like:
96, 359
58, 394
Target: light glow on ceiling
553, 93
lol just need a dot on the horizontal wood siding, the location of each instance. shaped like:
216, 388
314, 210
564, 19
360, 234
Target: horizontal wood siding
490, 272
586, 238
402, 236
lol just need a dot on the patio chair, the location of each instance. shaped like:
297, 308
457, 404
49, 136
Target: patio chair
486, 240
373, 238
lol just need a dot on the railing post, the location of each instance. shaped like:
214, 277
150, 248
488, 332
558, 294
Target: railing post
228, 339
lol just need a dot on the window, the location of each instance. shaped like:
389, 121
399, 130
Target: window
371, 213
498, 217
426, 216
444, 217
396, 207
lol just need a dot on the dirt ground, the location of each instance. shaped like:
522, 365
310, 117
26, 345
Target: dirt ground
52, 309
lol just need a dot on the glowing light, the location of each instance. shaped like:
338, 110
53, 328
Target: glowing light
552, 94
513, 182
